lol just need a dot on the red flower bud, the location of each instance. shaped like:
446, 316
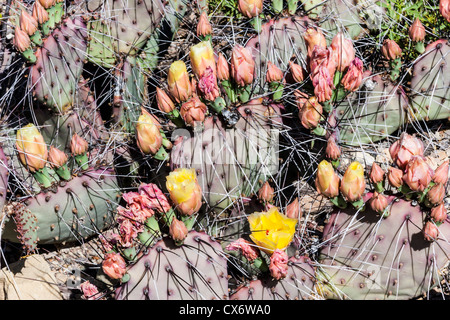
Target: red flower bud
193, 110
274, 74
56, 157
21, 40
78, 145
178, 230
378, 202
28, 23
311, 113
242, 65
343, 51
250, 8
405, 148
439, 213
114, 266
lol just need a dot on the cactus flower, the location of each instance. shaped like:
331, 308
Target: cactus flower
204, 27
278, 266
21, 40
343, 51
31, 148
242, 66
354, 75
184, 190
90, 291
353, 184
297, 72
271, 230
322, 58
332, 152
417, 31
39, 13
436, 194
247, 249
165, 104
405, 148
314, 37
444, 9
323, 84
441, 173
154, 197
178, 230
293, 210
327, 181
28, 23
266, 192
391, 49
378, 202
250, 8
274, 74
430, 231
439, 213
148, 134
204, 67
376, 173
193, 110
395, 177
418, 174
311, 113
114, 266
178, 81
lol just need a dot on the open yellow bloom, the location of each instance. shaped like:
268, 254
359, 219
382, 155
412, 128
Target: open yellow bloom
184, 190
31, 147
271, 230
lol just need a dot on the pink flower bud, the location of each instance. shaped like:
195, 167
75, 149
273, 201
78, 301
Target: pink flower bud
441, 173
343, 51
293, 210
353, 78
114, 266
395, 177
266, 192
327, 181
204, 28
436, 194
417, 31
274, 74
250, 8
278, 264
332, 151
21, 40
378, 202
28, 23
39, 13
56, 157
247, 249
223, 69
242, 66
314, 37
430, 231
391, 50
444, 9
165, 104
353, 184
193, 110
439, 213
418, 174
78, 145
311, 113
297, 72
323, 84
376, 173
178, 230
403, 149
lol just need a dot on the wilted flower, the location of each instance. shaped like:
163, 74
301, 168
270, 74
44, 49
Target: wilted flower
148, 134
155, 198
322, 58
323, 84
31, 147
165, 104
278, 266
327, 181
430, 231
378, 202
354, 75
250, 8
90, 291
395, 177
204, 28
297, 72
28, 23
391, 49
271, 230
444, 9
353, 183
418, 174
114, 265
439, 213
274, 74
441, 173
343, 51
178, 81
436, 194
193, 110
311, 113
178, 230
247, 249
376, 173
184, 190
403, 149
417, 31
242, 65
223, 69
266, 192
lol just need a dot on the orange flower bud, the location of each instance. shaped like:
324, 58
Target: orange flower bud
21, 40
417, 31
311, 113
327, 181
56, 157
405, 148
266, 192
148, 134
114, 266
436, 194
242, 66
439, 213
193, 110
297, 72
250, 8
378, 202
418, 174
31, 147
274, 74
343, 51
441, 173
178, 230
28, 23
395, 177
178, 81
204, 28
353, 184
293, 210
39, 13
430, 231
223, 70
78, 145
332, 151
47, 3
165, 104
376, 173
444, 9
314, 37
391, 50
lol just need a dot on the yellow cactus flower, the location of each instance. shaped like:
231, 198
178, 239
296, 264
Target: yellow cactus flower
31, 147
179, 82
202, 57
353, 183
184, 190
271, 230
